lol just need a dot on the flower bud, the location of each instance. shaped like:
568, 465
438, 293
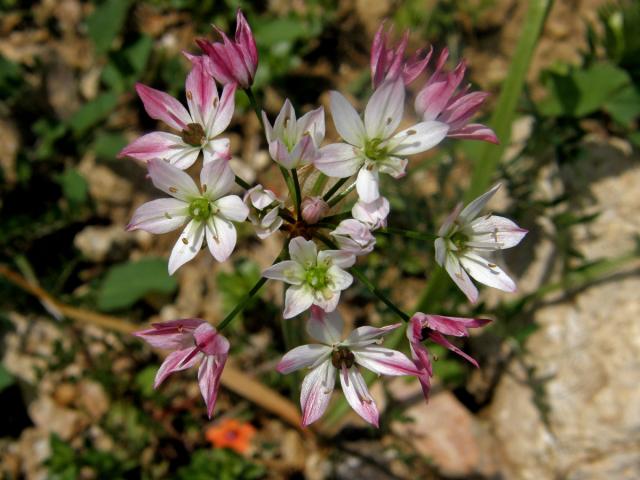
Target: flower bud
374, 214
313, 209
264, 208
354, 237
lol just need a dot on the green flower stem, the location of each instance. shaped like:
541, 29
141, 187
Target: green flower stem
296, 187
336, 186
242, 183
341, 195
367, 283
319, 184
257, 110
242, 304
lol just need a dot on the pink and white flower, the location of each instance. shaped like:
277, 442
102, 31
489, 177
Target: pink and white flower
342, 357
208, 211
371, 145
233, 61
464, 237
353, 236
316, 278
208, 116
264, 209
373, 215
435, 327
313, 209
388, 63
438, 100
294, 142
193, 341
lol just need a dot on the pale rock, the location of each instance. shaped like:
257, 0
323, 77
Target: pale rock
93, 399
52, 418
98, 243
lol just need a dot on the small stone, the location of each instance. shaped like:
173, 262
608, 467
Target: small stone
99, 243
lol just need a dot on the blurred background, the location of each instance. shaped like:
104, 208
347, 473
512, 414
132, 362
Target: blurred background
558, 394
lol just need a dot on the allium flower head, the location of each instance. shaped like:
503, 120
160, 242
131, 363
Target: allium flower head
371, 145
208, 116
264, 208
464, 238
233, 61
316, 278
208, 211
354, 236
435, 327
388, 63
193, 340
333, 355
294, 142
438, 100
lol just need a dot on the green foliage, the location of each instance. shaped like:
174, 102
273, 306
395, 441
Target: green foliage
6, 379
65, 463
107, 145
105, 23
74, 186
221, 465
128, 282
621, 40
580, 92
235, 285
92, 113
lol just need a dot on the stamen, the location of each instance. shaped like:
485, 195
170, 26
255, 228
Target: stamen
185, 241
173, 189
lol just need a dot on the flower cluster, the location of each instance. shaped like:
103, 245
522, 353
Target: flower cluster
323, 239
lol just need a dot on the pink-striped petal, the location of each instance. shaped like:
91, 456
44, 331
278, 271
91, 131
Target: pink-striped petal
303, 356
384, 361
363, 336
325, 327
224, 111
442, 340
357, 394
209, 375
162, 106
175, 362
316, 391
202, 94
171, 335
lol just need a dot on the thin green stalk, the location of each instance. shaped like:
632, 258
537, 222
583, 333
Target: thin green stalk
488, 156
242, 304
336, 186
319, 184
338, 198
367, 283
296, 187
242, 183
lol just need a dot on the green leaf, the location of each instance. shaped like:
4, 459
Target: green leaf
74, 186
108, 145
624, 107
127, 283
92, 113
6, 379
144, 380
578, 93
105, 23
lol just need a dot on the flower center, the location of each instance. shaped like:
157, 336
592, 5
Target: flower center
201, 209
342, 355
373, 151
193, 134
460, 240
316, 277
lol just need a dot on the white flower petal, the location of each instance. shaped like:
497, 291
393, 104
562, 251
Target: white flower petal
486, 272
384, 109
160, 216
366, 335
216, 178
339, 258
460, 277
419, 138
172, 180
287, 271
232, 208
339, 160
367, 184
316, 391
187, 246
346, 119
297, 299
384, 361
303, 251
472, 210
302, 357
500, 231
357, 394
325, 327
221, 237
338, 278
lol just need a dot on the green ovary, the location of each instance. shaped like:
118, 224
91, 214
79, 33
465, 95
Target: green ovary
316, 277
201, 209
373, 151
460, 240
